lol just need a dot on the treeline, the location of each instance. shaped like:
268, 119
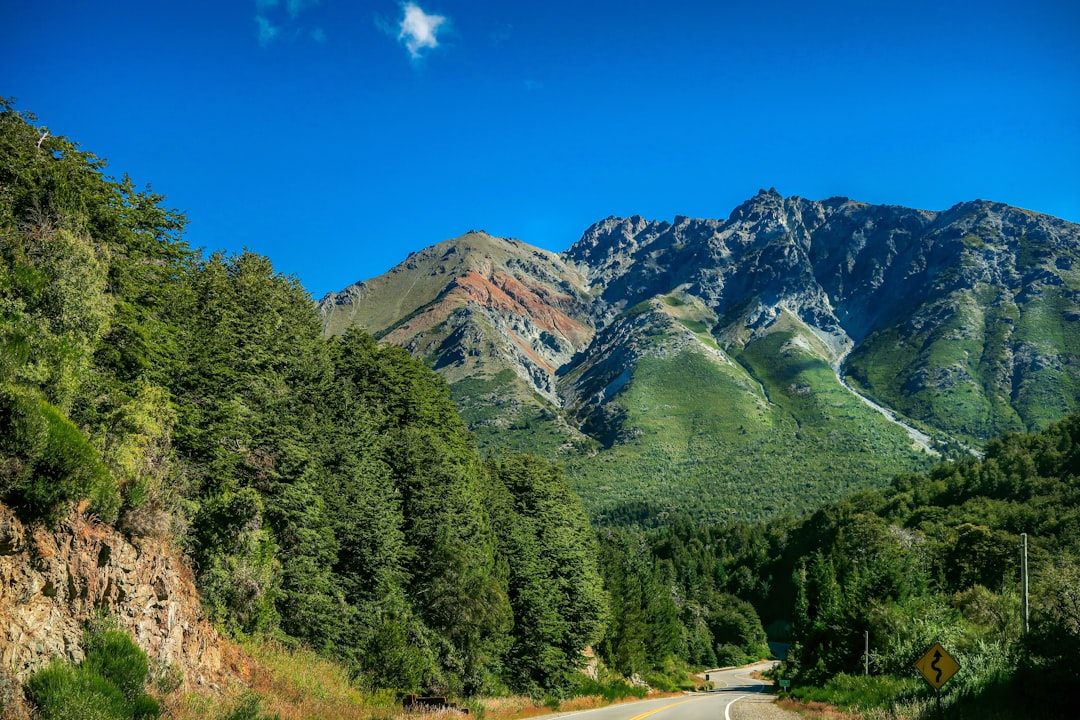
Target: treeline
674, 599
937, 558
326, 490
932, 558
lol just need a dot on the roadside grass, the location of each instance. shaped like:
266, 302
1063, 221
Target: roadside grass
816, 710
519, 707
886, 697
296, 684
856, 693
288, 684
586, 695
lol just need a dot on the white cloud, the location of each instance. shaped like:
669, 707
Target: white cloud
266, 30
272, 17
294, 7
419, 31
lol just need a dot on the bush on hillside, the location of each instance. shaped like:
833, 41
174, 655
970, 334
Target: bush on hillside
109, 684
46, 461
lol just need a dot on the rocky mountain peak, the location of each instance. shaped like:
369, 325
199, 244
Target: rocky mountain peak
764, 203
845, 276
611, 243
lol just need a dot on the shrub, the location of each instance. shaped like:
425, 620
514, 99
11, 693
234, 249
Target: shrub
62, 692
107, 685
862, 692
612, 691
248, 709
728, 655
115, 656
52, 462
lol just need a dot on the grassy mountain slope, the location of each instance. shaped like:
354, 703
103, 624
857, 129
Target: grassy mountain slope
768, 429
994, 347
502, 411
495, 317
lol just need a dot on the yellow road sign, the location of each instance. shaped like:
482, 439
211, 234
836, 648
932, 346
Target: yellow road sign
937, 666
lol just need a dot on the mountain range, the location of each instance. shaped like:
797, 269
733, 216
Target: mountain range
794, 352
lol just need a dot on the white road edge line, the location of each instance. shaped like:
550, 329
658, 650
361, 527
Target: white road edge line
727, 708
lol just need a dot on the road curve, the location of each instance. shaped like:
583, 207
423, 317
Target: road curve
733, 689
745, 697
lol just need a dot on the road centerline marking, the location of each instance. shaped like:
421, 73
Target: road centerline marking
647, 713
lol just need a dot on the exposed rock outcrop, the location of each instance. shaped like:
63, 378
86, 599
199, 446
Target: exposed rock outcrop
52, 580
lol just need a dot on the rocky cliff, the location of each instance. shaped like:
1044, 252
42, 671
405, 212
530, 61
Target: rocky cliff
960, 321
53, 580
496, 317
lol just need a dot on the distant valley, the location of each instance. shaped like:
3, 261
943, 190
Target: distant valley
725, 368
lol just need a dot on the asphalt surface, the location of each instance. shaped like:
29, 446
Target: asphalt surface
736, 696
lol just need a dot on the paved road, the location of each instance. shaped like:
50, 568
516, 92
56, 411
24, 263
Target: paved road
732, 686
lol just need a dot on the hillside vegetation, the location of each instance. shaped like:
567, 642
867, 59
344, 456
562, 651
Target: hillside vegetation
934, 557
326, 491
338, 514
766, 431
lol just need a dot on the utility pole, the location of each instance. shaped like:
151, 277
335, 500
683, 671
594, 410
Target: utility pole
866, 652
1024, 579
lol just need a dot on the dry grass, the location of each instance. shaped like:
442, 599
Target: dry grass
816, 710
297, 684
823, 711
293, 684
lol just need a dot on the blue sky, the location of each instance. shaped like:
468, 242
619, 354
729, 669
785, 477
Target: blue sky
337, 136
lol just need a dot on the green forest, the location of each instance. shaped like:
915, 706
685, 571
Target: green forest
330, 496
326, 491
934, 557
